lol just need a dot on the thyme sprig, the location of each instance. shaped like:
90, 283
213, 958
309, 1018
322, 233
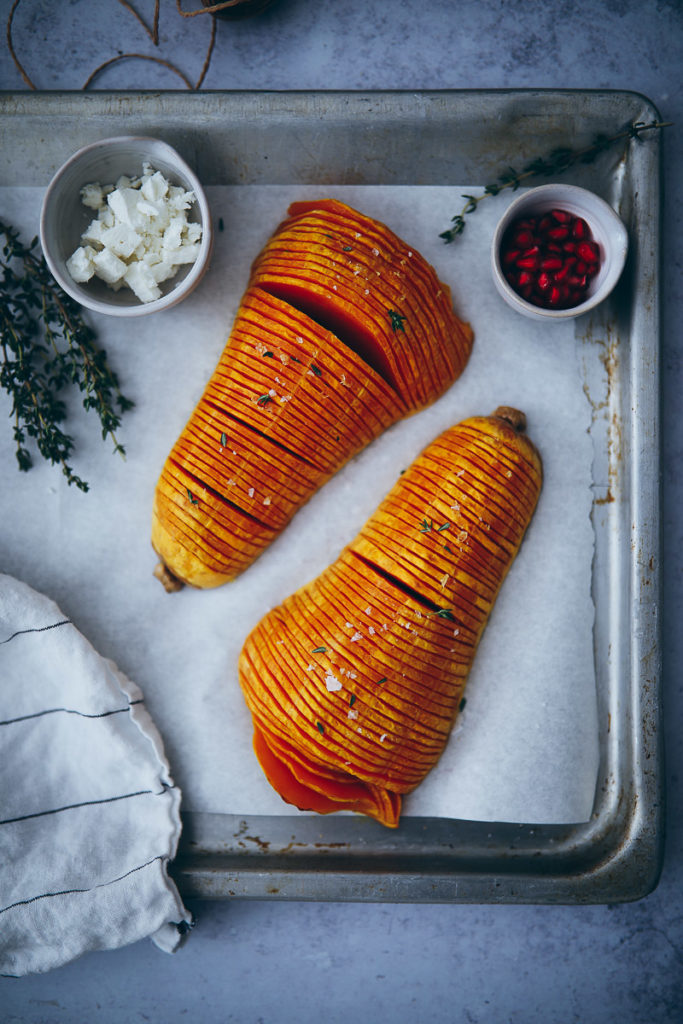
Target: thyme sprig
552, 165
45, 345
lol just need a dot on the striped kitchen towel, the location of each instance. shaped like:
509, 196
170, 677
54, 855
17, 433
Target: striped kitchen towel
89, 814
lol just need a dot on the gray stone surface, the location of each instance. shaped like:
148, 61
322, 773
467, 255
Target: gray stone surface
281, 962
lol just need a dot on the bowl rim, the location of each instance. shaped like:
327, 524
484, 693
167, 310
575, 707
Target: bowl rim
561, 192
137, 308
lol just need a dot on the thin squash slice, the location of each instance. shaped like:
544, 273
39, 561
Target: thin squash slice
355, 680
342, 331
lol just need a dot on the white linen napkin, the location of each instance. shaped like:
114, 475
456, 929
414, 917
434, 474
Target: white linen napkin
89, 814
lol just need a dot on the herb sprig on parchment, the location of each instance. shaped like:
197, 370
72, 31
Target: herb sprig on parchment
552, 165
45, 345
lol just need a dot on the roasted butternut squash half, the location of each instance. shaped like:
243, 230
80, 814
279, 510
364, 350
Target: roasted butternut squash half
355, 680
342, 331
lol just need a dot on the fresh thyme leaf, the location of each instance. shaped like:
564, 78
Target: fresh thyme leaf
316, 370
462, 703
267, 355
319, 650
426, 526
444, 526
446, 613
320, 727
264, 399
555, 163
224, 439
382, 680
352, 700
396, 320
346, 248
46, 345
195, 501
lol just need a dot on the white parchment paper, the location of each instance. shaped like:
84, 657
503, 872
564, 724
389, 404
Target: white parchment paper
525, 747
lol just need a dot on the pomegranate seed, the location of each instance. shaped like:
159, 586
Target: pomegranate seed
551, 263
581, 268
555, 296
510, 256
554, 247
561, 216
544, 281
559, 233
524, 239
526, 291
580, 228
569, 247
526, 262
566, 269
588, 251
524, 278
545, 224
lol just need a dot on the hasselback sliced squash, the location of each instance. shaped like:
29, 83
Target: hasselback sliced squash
342, 331
355, 680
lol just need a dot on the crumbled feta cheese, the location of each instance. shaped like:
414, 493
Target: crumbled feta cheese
121, 239
332, 683
80, 264
91, 196
140, 279
108, 266
141, 235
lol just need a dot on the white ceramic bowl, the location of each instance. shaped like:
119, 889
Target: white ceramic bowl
64, 218
607, 230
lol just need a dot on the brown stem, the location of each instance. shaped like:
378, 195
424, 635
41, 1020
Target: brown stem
514, 417
171, 583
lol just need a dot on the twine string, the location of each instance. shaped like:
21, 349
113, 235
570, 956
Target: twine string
153, 34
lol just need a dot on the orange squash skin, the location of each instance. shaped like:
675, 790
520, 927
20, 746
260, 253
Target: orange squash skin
339, 334
355, 680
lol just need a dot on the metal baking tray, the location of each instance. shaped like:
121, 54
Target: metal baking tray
434, 138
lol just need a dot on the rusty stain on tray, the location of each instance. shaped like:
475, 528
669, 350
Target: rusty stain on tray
609, 357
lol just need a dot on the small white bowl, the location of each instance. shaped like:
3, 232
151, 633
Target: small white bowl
64, 218
607, 230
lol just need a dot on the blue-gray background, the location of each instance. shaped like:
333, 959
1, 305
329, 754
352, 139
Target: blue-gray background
275, 963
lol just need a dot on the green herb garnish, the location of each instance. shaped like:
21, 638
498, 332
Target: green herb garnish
224, 440
396, 320
319, 650
320, 727
444, 526
426, 526
445, 613
267, 355
382, 680
45, 345
352, 700
263, 400
316, 370
556, 163
195, 501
